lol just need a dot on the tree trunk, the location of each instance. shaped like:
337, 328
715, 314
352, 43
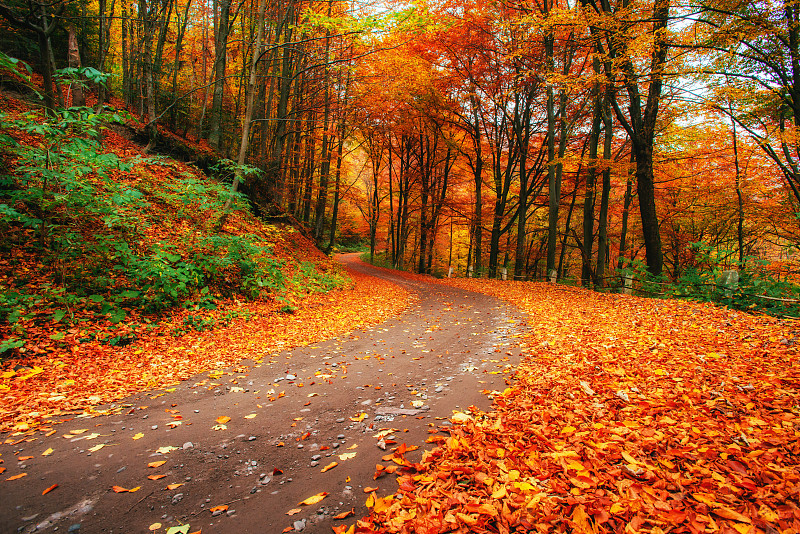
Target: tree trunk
248, 116
223, 26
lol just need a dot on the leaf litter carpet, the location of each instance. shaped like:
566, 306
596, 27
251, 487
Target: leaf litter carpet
627, 415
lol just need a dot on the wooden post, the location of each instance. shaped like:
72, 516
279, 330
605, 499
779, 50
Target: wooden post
628, 289
553, 276
730, 282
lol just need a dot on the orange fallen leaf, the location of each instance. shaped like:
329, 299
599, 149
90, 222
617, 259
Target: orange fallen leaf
16, 477
220, 508
294, 511
329, 466
314, 499
159, 463
345, 515
23, 458
174, 486
51, 488
156, 477
369, 489
222, 419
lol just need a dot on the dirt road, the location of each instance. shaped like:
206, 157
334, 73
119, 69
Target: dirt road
315, 405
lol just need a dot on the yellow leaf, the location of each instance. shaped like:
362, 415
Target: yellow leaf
500, 493
314, 499
347, 456
48, 452
616, 508
138, 436
154, 526
250, 416
97, 447
359, 417
159, 463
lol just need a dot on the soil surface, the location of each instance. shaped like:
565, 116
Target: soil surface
331, 401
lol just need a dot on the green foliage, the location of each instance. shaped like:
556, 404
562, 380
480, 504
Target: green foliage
754, 287
308, 279
90, 235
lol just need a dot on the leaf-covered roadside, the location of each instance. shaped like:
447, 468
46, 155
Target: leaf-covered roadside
628, 415
53, 387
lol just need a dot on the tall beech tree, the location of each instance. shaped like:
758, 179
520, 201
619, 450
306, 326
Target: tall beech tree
641, 75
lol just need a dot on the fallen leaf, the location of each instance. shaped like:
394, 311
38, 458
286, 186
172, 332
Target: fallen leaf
347, 455
156, 477
155, 464
345, 515
120, 489
329, 466
359, 417
222, 419
166, 450
250, 416
139, 435
51, 488
314, 499
154, 527
48, 452
16, 477
96, 447
23, 458
219, 508
369, 489
294, 511
174, 486
181, 529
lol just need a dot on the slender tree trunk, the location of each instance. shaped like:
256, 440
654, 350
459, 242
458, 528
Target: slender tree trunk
625, 212
589, 199
739, 196
602, 228
248, 115
221, 32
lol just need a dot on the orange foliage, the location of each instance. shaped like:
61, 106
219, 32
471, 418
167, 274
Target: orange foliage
627, 415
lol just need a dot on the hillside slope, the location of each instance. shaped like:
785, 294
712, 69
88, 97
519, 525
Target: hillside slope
107, 252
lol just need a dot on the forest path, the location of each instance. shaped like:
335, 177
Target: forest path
288, 420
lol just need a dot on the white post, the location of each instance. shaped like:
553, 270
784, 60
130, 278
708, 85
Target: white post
730, 281
450, 272
553, 276
504, 273
628, 290
469, 272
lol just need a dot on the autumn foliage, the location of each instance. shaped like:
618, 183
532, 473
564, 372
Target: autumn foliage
58, 386
628, 415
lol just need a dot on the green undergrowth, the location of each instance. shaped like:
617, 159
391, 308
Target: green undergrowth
96, 244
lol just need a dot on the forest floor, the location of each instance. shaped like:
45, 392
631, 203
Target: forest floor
622, 414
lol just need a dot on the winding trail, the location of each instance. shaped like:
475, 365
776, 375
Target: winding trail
439, 355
